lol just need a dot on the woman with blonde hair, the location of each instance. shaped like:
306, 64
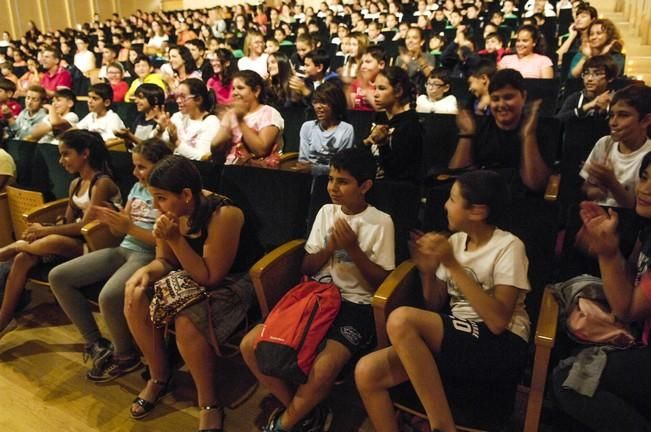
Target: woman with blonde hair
255, 58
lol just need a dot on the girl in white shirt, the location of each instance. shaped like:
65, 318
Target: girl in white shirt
191, 130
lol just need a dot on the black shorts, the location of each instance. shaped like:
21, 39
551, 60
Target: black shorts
354, 328
471, 353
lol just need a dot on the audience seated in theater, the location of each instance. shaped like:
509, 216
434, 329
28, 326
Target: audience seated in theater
413, 59
611, 170
82, 153
508, 138
603, 39
353, 243
84, 58
21, 126
361, 92
304, 44
59, 119
479, 275
115, 78
190, 130
223, 66
112, 358
621, 399
357, 45
317, 64
197, 48
54, 75
9, 107
396, 139
478, 82
101, 118
144, 71
594, 100
182, 67
577, 36
528, 58
150, 103
328, 134
255, 58
204, 237
280, 72
31, 77
251, 132
438, 99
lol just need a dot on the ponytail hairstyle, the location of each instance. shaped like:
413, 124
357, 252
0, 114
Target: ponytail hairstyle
99, 157
399, 80
176, 173
199, 90
540, 45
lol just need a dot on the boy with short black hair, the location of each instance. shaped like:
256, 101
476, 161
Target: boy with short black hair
478, 81
101, 118
611, 170
353, 243
594, 100
21, 126
60, 117
316, 67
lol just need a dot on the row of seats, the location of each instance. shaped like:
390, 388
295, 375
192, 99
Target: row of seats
281, 206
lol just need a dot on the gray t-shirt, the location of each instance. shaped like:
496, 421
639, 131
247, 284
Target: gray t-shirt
318, 145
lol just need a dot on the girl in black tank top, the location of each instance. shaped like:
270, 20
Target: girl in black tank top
207, 237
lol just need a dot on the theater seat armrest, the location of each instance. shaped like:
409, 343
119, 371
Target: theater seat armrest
547, 320
398, 289
544, 341
47, 213
277, 272
553, 186
98, 236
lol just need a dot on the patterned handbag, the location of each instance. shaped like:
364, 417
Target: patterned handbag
172, 294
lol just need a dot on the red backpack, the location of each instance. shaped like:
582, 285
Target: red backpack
294, 329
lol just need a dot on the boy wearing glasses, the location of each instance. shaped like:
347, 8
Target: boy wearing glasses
594, 99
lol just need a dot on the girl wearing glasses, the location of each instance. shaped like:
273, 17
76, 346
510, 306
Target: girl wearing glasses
190, 131
438, 98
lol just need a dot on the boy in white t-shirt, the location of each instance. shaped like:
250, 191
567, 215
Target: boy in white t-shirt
60, 117
611, 170
353, 243
101, 118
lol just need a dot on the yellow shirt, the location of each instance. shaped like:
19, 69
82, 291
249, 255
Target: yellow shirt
7, 165
152, 78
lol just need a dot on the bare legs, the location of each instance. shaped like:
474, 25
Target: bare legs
151, 343
26, 256
300, 402
415, 335
200, 358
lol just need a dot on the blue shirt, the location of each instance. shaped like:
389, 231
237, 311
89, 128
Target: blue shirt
143, 215
318, 145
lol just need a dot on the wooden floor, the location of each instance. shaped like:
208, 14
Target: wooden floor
43, 387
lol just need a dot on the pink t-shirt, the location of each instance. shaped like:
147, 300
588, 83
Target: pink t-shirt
360, 101
222, 93
261, 118
530, 66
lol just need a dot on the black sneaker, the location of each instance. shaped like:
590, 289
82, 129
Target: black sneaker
320, 420
97, 351
109, 368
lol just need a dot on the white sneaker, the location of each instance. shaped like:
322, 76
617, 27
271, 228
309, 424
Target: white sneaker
13, 324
